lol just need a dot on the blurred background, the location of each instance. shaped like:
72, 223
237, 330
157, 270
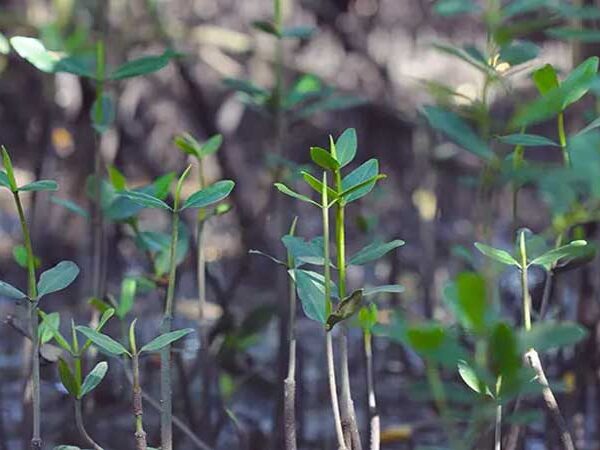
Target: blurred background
369, 65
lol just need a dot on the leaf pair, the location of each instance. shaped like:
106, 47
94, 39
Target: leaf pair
52, 280
34, 51
113, 348
91, 381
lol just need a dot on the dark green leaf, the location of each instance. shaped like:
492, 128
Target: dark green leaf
57, 278
465, 56
143, 65
145, 200
311, 290
266, 27
449, 8
545, 78
301, 32
383, 289
287, 191
472, 300
458, 131
93, 378
469, 376
566, 251
317, 185
323, 158
128, 288
209, 195
505, 359
374, 251
71, 206
304, 252
68, 379
41, 185
501, 256
246, 87
10, 174
103, 113
345, 147
363, 173
164, 340
49, 324
550, 335
519, 52
528, 140
578, 34
105, 343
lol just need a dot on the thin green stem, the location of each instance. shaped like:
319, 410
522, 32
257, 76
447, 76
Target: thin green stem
562, 137
525, 283
328, 339
36, 439
289, 384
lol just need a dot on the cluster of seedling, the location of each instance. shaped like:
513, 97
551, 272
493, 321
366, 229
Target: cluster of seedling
482, 347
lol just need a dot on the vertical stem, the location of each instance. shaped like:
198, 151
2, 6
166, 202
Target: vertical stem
36, 439
374, 423
166, 419
328, 339
525, 283
498, 428
347, 406
563, 139
289, 384
81, 427
138, 412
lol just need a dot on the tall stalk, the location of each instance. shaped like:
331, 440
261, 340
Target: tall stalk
81, 426
374, 422
348, 413
138, 410
533, 359
166, 415
36, 438
328, 338
289, 384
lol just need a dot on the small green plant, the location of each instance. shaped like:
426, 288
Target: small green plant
316, 290
55, 279
200, 199
109, 346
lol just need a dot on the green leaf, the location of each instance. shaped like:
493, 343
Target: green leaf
67, 378
20, 255
9, 169
143, 66
128, 288
34, 52
287, 191
105, 343
591, 126
4, 181
447, 8
4, 45
323, 158
300, 32
41, 185
246, 87
162, 259
457, 130
145, 200
209, 195
385, 288
10, 291
465, 56
57, 278
374, 251
517, 7
528, 140
50, 323
545, 78
472, 300
501, 256
469, 376
93, 378
578, 34
570, 250
345, 147
304, 252
548, 335
211, 145
71, 206
367, 317
317, 184
311, 291
117, 179
345, 309
164, 340
367, 171
519, 52
102, 113
504, 355
266, 27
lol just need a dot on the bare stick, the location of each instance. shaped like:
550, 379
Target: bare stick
374, 422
